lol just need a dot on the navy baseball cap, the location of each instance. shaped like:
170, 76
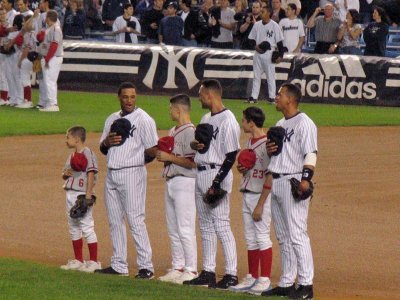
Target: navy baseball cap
174, 4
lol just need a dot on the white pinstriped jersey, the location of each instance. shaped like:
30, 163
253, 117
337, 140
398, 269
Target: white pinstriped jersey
300, 139
254, 179
270, 32
78, 182
225, 138
143, 136
183, 135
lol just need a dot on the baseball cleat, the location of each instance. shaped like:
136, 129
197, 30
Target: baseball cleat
171, 276
227, 281
251, 100
302, 292
4, 102
246, 284
25, 104
144, 274
205, 278
263, 284
90, 266
186, 276
51, 108
279, 291
110, 271
73, 264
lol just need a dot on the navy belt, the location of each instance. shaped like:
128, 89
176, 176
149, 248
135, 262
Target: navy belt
206, 167
277, 175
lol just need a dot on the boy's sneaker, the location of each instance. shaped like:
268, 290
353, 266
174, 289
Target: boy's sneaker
262, 284
144, 274
302, 292
50, 108
171, 275
90, 266
227, 281
110, 271
186, 276
279, 291
25, 104
73, 264
246, 284
4, 102
204, 279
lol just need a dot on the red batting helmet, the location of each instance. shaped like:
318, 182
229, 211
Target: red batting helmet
78, 162
247, 158
166, 144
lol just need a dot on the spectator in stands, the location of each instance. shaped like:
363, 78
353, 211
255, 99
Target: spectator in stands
171, 27
23, 8
293, 30
375, 33
284, 5
111, 10
142, 6
193, 25
365, 11
349, 34
278, 13
93, 19
343, 6
392, 10
150, 21
204, 39
74, 21
326, 30
227, 23
246, 27
241, 11
126, 27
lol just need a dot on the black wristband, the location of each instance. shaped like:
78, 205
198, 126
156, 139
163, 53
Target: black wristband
103, 148
307, 174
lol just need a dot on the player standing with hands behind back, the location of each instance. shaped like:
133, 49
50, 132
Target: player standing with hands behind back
289, 214
80, 175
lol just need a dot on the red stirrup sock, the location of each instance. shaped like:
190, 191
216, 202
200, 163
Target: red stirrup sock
28, 93
266, 262
93, 251
253, 258
78, 245
4, 95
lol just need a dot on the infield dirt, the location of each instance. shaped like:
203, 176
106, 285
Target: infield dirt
353, 223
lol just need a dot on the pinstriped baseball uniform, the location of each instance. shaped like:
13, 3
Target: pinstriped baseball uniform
125, 189
215, 223
180, 206
257, 234
290, 217
76, 185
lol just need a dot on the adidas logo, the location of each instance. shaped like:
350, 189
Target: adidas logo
336, 77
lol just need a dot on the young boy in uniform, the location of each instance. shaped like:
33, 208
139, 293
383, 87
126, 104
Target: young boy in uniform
180, 206
255, 185
80, 175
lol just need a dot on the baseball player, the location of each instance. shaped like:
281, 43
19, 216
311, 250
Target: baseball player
297, 159
3, 80
125, 184
180, 207
80, 175
126, 27
214, 170
51, 49
268, 31
255, 186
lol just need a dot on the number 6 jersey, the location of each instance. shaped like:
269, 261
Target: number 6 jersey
253, 180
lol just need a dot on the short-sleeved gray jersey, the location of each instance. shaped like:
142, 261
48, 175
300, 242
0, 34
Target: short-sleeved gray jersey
53, 34
143, 135
78, 182
183, 135
253, 180
225, 137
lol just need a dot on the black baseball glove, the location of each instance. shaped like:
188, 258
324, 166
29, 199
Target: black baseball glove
299, 195
214, 196
264, 46
81, 206
275, 56
203, 134
32, 55
276, 134
121, 127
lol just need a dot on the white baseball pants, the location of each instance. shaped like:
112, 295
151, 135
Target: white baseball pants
26, 72
15, 91
3, 79
262, 64
50, 77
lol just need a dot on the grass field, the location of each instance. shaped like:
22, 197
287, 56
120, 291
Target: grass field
26, 280
90, 110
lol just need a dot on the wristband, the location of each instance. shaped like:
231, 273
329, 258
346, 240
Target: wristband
307, 174
266, 187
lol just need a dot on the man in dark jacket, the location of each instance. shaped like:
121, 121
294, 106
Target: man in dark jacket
194, 24
151, 21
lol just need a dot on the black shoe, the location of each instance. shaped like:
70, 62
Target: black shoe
280, 291
227, 281
145, 274
205, 279
302, 292
110, 271
251, 100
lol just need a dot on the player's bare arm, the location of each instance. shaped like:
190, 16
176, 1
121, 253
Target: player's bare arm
177, 160
90, 184
151, 151
258, 210
241, 169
